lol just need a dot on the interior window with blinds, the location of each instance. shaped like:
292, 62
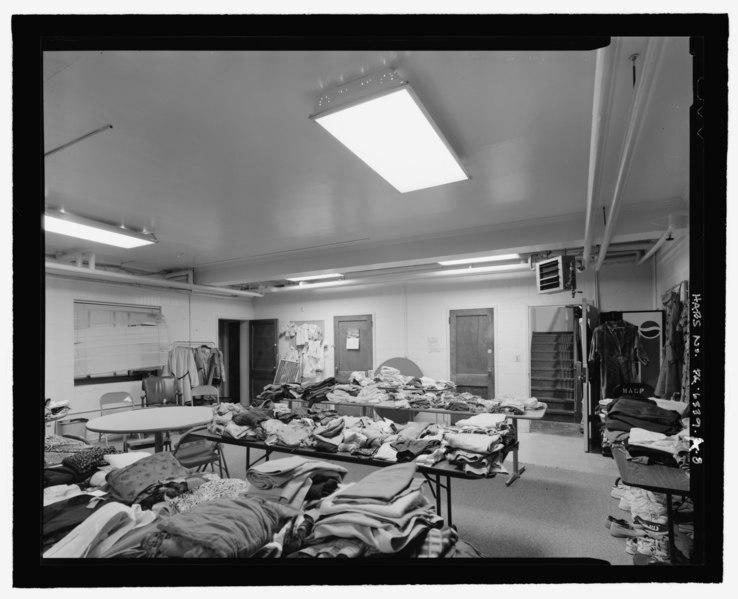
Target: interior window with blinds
117, 341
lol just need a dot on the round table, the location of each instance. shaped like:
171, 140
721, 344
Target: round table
151, 420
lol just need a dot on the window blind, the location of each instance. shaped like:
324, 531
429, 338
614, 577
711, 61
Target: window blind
116, 339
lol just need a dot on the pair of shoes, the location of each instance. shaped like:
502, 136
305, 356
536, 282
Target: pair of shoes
611, 519
625, 531
653, 525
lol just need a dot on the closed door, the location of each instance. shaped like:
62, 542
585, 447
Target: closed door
472, 351
263, 336
352, 337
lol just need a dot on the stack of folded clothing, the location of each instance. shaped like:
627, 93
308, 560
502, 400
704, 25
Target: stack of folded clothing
623, 414
481, 447
317, 392
382, 513
294, 480
656, 448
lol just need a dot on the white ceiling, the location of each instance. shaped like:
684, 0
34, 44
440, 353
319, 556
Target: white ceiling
214, 153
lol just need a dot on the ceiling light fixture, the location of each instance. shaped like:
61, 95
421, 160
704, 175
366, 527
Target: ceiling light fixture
64, 223
381, 120
471, 270
314, 277
306, 286
482, 259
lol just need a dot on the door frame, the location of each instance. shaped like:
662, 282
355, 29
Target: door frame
495, 340
336, 343
251, 350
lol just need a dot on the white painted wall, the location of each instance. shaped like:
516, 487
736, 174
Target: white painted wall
188, 318
672, 264
409, 316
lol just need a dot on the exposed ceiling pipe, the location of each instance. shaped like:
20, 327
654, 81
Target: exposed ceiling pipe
666, 235
603, 88
652, 57
103, 275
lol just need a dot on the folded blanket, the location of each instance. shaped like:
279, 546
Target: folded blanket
277, 473
482, 420
472, 442
383, 484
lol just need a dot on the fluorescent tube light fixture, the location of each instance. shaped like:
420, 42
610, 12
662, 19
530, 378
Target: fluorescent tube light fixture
482, 259
381, 120
314, 277
64, 223
471, 270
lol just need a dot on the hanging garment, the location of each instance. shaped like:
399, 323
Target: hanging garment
617, 344
672, 355
209, 361
683, 330
182, 365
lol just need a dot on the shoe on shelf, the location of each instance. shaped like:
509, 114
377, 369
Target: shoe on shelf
611, 519
618, 530
653, 525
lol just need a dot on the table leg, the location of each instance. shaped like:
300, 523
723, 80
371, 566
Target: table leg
448, 501
517, 470
670, 524
158, 442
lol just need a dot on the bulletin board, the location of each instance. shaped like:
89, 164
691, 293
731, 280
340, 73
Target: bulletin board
304, 341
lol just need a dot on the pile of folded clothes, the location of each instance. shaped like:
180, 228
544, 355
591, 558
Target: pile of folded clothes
275, 393
294, 480
317, 392
648, 447
480, 445
382, 513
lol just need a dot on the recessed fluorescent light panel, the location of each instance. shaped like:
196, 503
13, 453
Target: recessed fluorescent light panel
83, 228
315, 277
381, 120
483, 259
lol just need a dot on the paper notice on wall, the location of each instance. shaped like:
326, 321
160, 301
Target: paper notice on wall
433, 345
352, 339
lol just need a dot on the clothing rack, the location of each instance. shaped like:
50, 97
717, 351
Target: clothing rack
193, 343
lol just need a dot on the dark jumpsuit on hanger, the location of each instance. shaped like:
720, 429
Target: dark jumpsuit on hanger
618, 346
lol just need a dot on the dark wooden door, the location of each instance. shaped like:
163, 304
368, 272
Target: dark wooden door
263, 337
229, 342
473, 352
352, 337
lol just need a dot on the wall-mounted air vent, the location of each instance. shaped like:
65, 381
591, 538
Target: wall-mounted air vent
556, 274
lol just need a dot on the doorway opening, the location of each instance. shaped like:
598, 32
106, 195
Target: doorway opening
554, 360
233, 342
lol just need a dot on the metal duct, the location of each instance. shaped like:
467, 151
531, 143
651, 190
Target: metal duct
65, 270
